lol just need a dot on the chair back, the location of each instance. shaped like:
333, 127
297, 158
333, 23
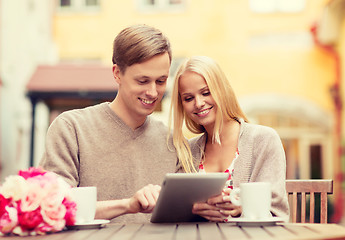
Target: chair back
300, 187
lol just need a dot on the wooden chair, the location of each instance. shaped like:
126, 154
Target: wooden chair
303, 188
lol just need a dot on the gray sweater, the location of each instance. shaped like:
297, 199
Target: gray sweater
261, 159
94, 147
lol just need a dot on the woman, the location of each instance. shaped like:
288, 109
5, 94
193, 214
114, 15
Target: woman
203, 98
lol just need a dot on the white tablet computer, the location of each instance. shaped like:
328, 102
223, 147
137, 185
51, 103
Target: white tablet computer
181, 190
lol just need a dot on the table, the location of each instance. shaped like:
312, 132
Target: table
200, 231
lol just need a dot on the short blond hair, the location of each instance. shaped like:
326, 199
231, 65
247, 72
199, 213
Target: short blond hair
138, 43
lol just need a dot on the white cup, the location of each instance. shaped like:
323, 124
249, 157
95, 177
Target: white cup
85, 198
255, 199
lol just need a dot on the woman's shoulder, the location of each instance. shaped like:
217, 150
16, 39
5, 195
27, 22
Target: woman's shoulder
259, 138
197, 140
257, 130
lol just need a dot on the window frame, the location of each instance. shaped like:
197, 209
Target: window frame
79, 6
160, 6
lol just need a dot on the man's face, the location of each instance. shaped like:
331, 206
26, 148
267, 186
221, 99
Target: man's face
142, 85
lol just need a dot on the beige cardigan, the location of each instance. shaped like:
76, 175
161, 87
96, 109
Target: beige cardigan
261, 159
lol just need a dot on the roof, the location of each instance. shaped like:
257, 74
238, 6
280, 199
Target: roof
72, 81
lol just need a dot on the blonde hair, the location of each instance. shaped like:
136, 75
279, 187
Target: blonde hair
227, 106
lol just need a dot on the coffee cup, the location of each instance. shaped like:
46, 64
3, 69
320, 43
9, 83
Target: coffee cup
85, 198
255, 199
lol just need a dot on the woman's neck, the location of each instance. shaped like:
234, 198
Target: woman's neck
229, 130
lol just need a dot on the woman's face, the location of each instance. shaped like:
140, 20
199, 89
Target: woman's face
197, 100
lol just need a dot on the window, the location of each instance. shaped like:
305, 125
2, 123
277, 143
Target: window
79, 5
161, 5
65, 3
270, 6
91, 2
315, 152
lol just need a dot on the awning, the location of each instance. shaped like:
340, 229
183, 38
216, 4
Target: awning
72, 81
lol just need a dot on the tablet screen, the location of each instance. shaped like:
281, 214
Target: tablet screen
181, 190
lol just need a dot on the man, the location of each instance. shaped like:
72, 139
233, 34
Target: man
116, 146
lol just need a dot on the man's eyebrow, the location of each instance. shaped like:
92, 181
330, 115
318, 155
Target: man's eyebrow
149, 77
141, 77
164, 76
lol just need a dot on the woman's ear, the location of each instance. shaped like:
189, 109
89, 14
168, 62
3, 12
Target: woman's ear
116, 73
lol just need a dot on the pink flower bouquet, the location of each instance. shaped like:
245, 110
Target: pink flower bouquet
35, 202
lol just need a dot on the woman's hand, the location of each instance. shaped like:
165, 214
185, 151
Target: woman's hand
227, 207
217, 208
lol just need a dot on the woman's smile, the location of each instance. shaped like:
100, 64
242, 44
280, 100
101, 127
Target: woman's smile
204, 112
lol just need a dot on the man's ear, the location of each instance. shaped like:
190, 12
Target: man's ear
116, 73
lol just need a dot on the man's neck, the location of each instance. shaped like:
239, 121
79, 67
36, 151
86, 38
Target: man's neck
125, 115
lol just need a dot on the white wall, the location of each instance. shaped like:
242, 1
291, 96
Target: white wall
26, 41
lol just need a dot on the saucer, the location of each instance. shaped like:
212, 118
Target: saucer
242, 221
97, 223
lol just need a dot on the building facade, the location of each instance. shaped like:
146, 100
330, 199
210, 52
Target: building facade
273, 52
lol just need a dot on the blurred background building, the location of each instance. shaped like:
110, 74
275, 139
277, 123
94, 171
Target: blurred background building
284, 59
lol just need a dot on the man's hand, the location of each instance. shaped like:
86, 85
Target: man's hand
144, 200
